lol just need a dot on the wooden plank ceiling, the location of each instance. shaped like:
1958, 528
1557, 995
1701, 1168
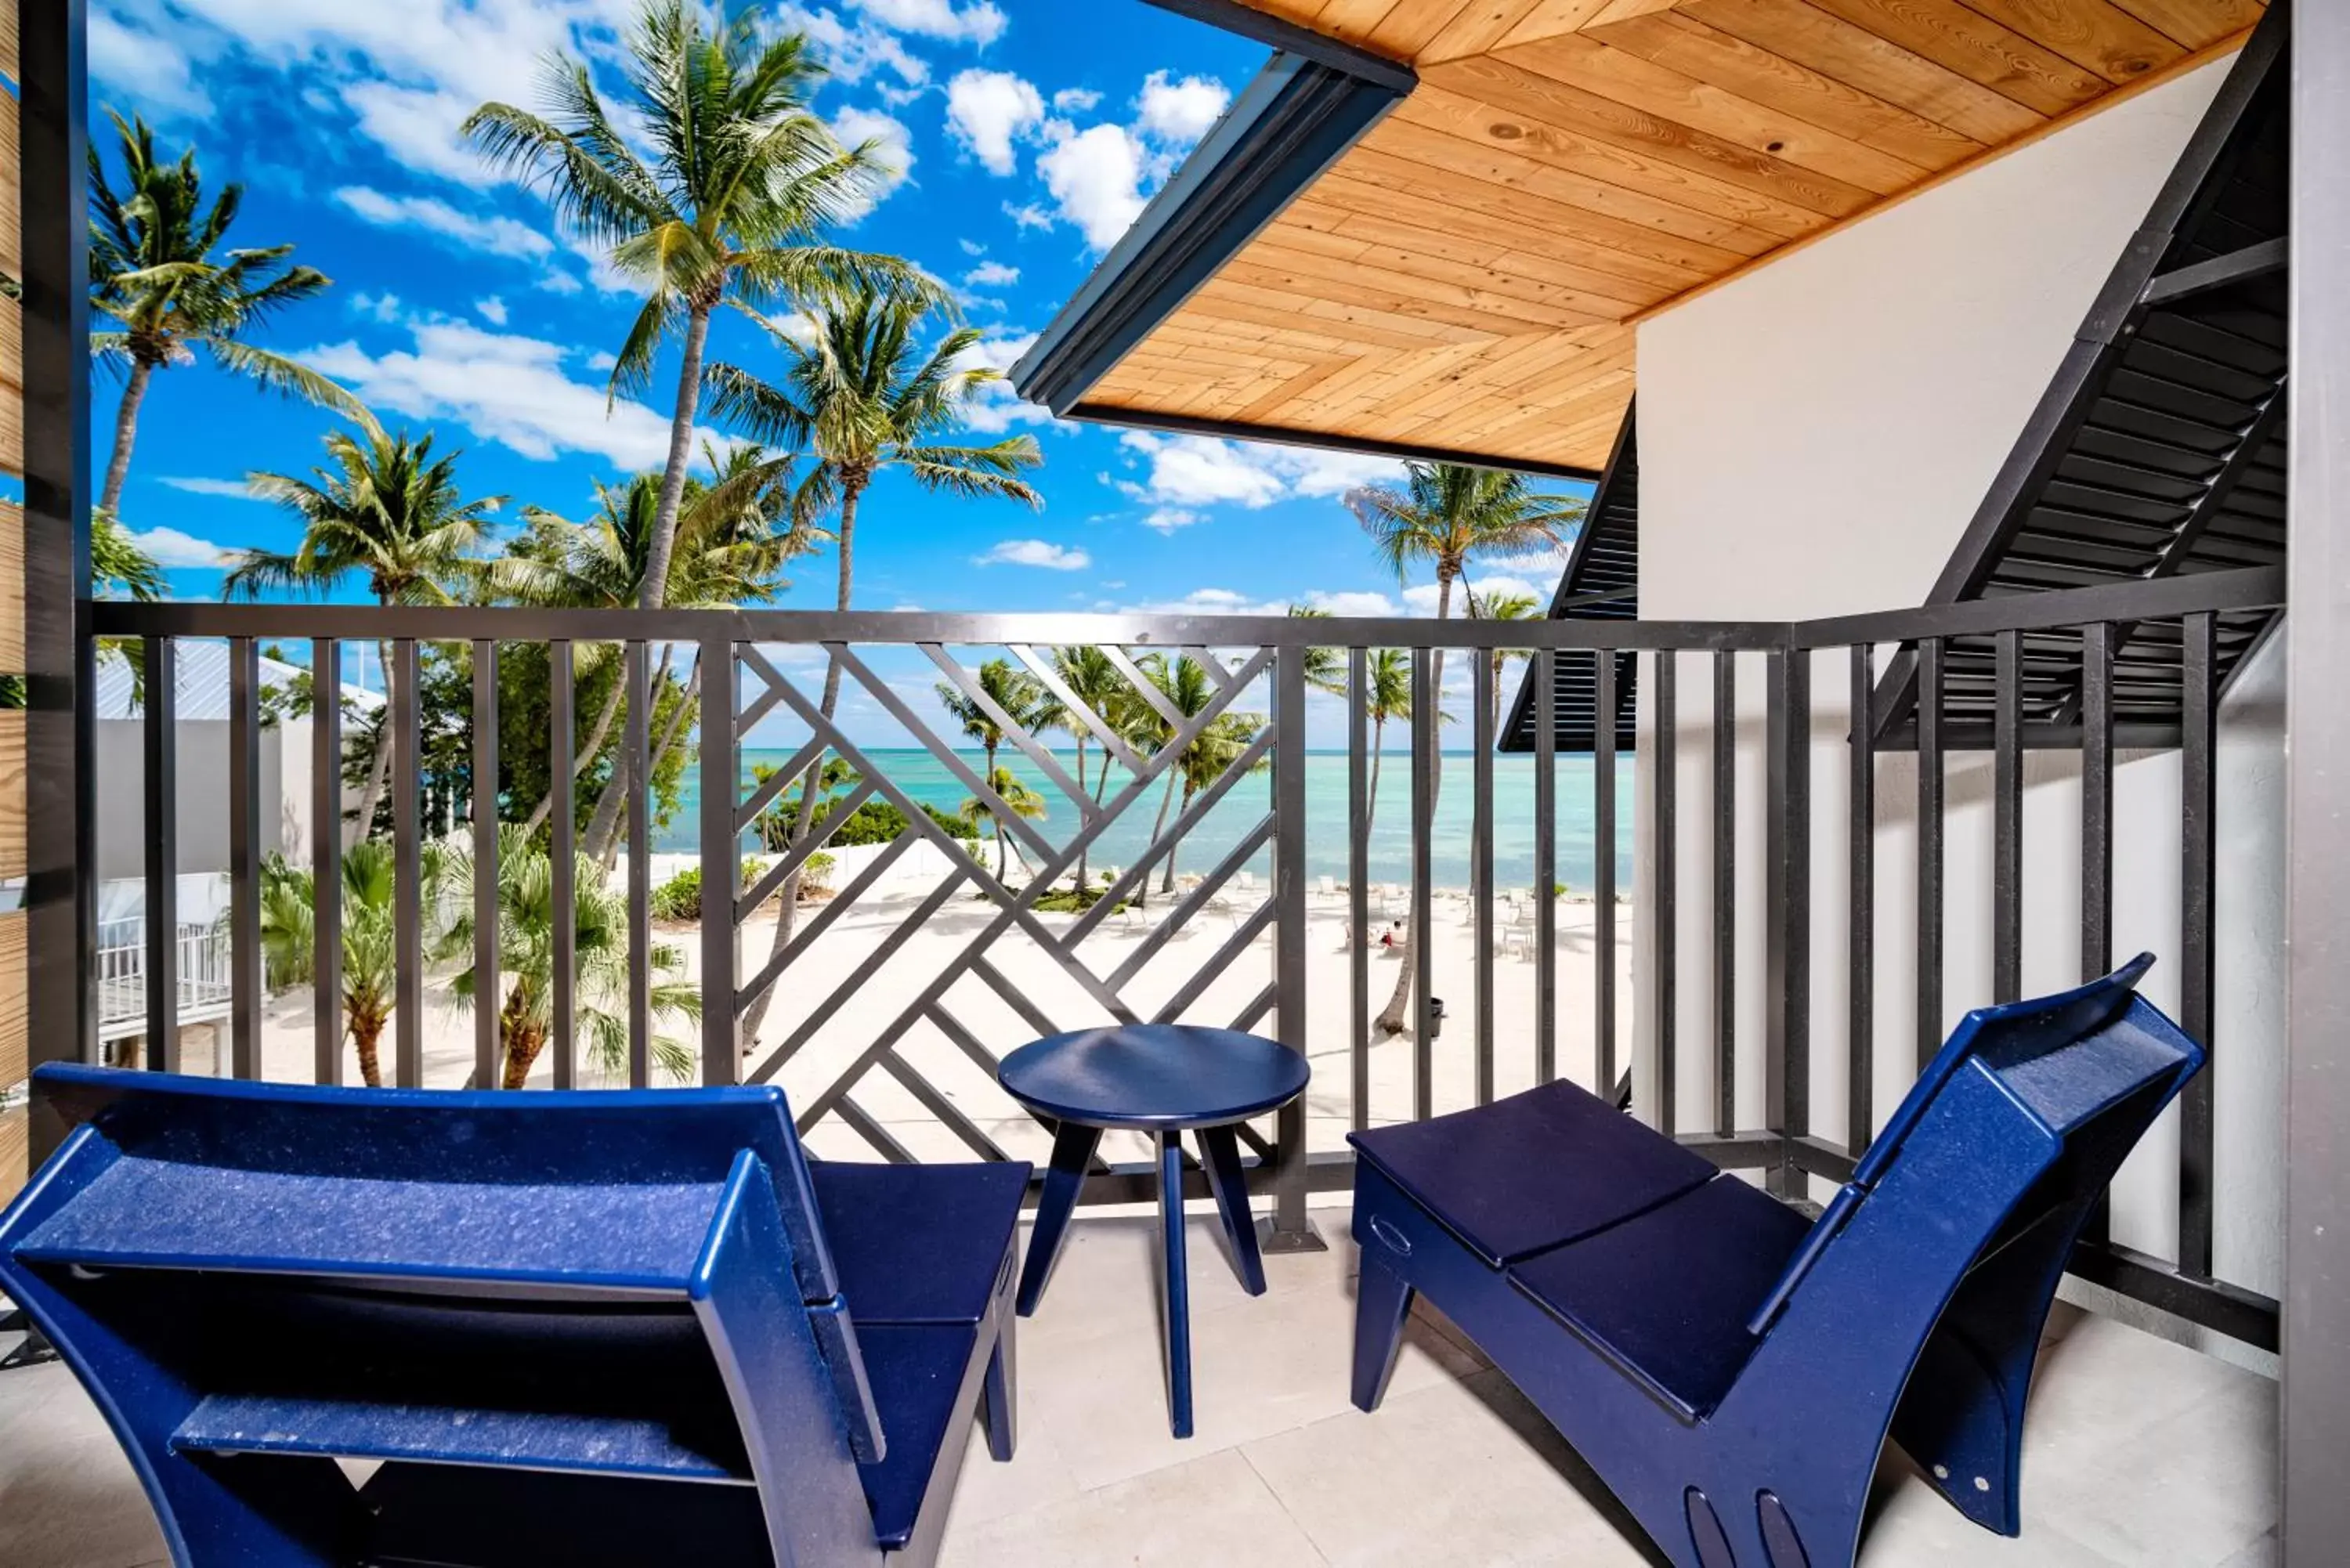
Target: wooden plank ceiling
1467, 278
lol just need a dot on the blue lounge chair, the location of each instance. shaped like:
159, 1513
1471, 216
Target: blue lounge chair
1728, 1369
614, 1328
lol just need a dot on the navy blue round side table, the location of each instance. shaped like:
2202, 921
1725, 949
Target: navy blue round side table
1163, 1079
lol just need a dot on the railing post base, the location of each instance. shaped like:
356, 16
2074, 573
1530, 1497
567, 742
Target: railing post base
1271, 1237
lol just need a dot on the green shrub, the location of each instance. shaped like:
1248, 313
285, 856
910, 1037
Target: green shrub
874, 821
680, 898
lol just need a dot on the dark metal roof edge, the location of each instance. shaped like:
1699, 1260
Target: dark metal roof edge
1294, 120
1230, 430
1292, 38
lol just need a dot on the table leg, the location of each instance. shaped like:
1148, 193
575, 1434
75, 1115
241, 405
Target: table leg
1178, 1294
1073, 1150
1220, 1151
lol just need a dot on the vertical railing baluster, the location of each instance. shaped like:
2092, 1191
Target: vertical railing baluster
1860, 992
1787, 899
1726, 893
247, 982
563, 855
1545, 935
1358, 892
1424, 716
1602, 872
2096, 801
488, 991
326, 857
160, 657
1930, 850
408, 866
1290, 1000
635, 745
2199, 802
2007, 825
1480, 868
1665, 885
2097, 839
720, 782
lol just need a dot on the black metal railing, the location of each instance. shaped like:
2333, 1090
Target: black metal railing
954, 1005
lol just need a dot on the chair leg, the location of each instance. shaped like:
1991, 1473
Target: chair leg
1382, 1300
1000, 1393
1178, 1300
1220, 1151
1073, 1150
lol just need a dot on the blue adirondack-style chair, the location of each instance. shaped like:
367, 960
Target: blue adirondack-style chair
585, 1328
1730, 1370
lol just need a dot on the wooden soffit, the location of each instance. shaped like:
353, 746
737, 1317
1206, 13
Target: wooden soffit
1467, 276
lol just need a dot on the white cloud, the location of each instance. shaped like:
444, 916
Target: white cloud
989, 111
499, 236
235, 489
1227, 601
971, 247
1181, 113
1035, 552
170, 547
994, 408
560, 283
1076, 101
1420, 599
991, 275
384, 307
1095, 179
418, 126
602, 360
893, 149
978, 23
492, 310
853, 52
157, 73
1028, 216
1189, 471
505, 387
1168, 519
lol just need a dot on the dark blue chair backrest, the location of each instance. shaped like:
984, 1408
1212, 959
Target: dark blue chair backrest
2087, 1067
205, 1164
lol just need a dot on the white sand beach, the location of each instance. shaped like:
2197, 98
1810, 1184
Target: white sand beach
875, 1002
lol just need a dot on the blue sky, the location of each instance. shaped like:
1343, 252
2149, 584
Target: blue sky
1029, 133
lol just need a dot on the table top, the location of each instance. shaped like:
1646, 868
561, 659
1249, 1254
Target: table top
1154, 1076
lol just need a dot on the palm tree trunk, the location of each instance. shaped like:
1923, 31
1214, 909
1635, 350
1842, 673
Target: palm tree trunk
583, 759
1392, 1019
653, 592
1080, 886
379, 770
995, 818
1176, 848
126, 435
603, 824
852, 489
670, 734
1159, 831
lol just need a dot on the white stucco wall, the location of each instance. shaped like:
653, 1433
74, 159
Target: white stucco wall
1815, 438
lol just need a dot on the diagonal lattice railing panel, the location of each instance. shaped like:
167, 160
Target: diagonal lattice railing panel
924, 1081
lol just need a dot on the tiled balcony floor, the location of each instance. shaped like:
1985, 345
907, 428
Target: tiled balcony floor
2138, 1452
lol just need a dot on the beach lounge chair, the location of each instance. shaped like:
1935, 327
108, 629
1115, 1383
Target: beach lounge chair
1729, 1370
1327, 886
587, 1328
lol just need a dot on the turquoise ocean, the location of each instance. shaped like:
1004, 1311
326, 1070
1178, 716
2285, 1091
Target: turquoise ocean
926, 778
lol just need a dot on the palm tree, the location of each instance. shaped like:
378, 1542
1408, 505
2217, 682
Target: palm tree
1024, 699
1445, 515
1090, 678
1186, 690
1386, 694
370, 962
388, 509
527, 917
729, 552
1022, 801
1502, 607
859, 395
743, 178
1326, 671
151, 269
